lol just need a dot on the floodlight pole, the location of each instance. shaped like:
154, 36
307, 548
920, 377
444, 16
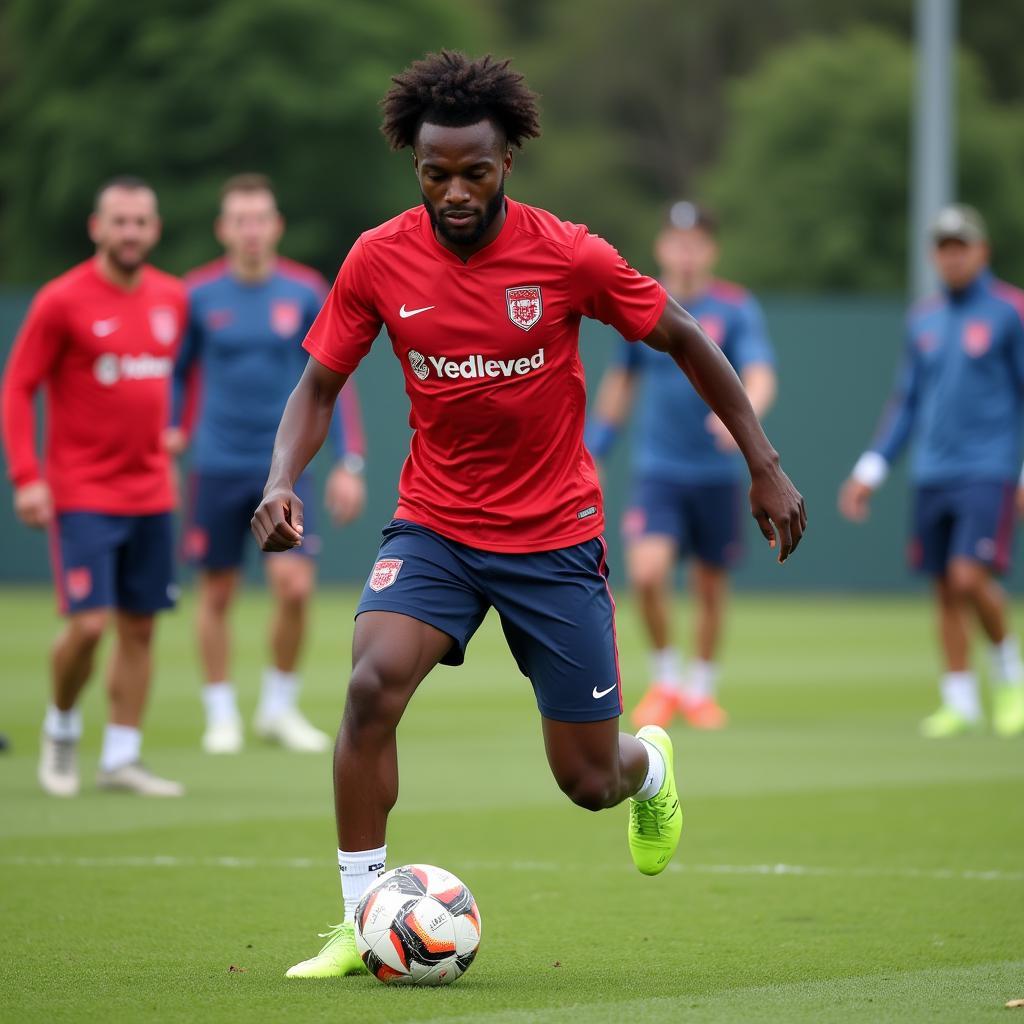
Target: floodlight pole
934, 169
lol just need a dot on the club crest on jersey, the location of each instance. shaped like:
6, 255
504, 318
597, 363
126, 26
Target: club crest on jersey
524, 305
418, 364
977, 337
714, 328
285, 317
163, 322
384, 573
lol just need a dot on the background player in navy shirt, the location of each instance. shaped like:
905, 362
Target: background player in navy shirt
687, 492
248, 315
960, 390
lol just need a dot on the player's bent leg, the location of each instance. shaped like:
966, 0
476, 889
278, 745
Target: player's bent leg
223, 733
72, 662
278, 718
596, 766
391, 654
650, 560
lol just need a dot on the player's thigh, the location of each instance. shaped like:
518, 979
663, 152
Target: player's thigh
83, 549
558, 617
712, 513
931, 532
145, 565
220, 509
983, 525
423, 576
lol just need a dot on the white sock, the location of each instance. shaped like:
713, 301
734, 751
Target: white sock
219, 701
667, 667
655, 778
122, 745
62, 725
960, 692
1007, 669
702, 679
358, 872
280, 692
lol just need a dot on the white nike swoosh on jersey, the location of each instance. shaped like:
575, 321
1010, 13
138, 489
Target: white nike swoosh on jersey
103, 328
405, 313
598, 694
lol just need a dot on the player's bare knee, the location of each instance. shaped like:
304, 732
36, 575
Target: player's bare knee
591, 790
137, 629
964, 579
87, 628
370, 703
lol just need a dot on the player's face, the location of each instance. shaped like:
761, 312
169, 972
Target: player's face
462, 179
959, 263
685, 253
125, 226
249, 226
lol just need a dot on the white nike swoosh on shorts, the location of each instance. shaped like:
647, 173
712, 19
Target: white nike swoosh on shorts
598, 694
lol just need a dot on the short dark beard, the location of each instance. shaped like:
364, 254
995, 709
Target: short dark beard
491, 210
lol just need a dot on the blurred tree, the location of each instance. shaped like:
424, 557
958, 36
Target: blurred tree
812, 182
184, 93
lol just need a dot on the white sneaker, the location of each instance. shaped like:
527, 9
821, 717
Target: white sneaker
223, 736
137, 778
292, 730
58, 766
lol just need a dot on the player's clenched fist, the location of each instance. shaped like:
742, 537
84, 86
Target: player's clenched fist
277, 523
33, 504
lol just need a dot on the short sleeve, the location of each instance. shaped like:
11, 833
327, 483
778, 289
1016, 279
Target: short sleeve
605, 287
751, 345
348, 323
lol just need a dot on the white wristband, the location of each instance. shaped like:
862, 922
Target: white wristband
871, 470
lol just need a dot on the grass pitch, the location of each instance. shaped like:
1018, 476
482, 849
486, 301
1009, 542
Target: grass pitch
833, 866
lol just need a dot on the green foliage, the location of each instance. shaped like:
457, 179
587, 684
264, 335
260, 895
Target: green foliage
185, 93
812, 183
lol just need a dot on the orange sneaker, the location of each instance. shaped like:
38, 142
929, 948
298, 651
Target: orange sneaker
658, 707
702, 712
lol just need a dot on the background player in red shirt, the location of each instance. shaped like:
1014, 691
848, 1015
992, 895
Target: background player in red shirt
499, 503
101, 339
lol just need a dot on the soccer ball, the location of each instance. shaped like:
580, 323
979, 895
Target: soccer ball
418, 925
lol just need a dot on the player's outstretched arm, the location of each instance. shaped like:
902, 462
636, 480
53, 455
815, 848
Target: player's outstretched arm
774, 502
277, 523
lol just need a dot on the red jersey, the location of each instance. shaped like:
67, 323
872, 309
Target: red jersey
105, 357
490, 353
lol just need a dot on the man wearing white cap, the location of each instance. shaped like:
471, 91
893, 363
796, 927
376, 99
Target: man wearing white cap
960, 391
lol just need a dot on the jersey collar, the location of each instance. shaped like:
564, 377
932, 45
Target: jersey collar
487, 253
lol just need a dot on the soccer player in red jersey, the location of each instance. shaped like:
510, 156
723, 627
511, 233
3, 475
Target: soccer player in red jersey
499, 503
101, 339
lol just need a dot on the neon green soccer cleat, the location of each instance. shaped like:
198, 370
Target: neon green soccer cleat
338, 957
946, 722
656, 824
1008, 710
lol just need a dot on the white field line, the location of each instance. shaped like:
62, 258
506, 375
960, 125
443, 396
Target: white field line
304, 863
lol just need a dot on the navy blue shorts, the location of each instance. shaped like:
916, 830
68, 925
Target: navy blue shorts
107, 561
220, 511
974, 520
702, 519
555, 607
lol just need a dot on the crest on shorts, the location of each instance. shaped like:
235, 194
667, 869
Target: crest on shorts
384, 573
524, 305
163, 322
285, 317
714, 328
977, 337
78, 583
